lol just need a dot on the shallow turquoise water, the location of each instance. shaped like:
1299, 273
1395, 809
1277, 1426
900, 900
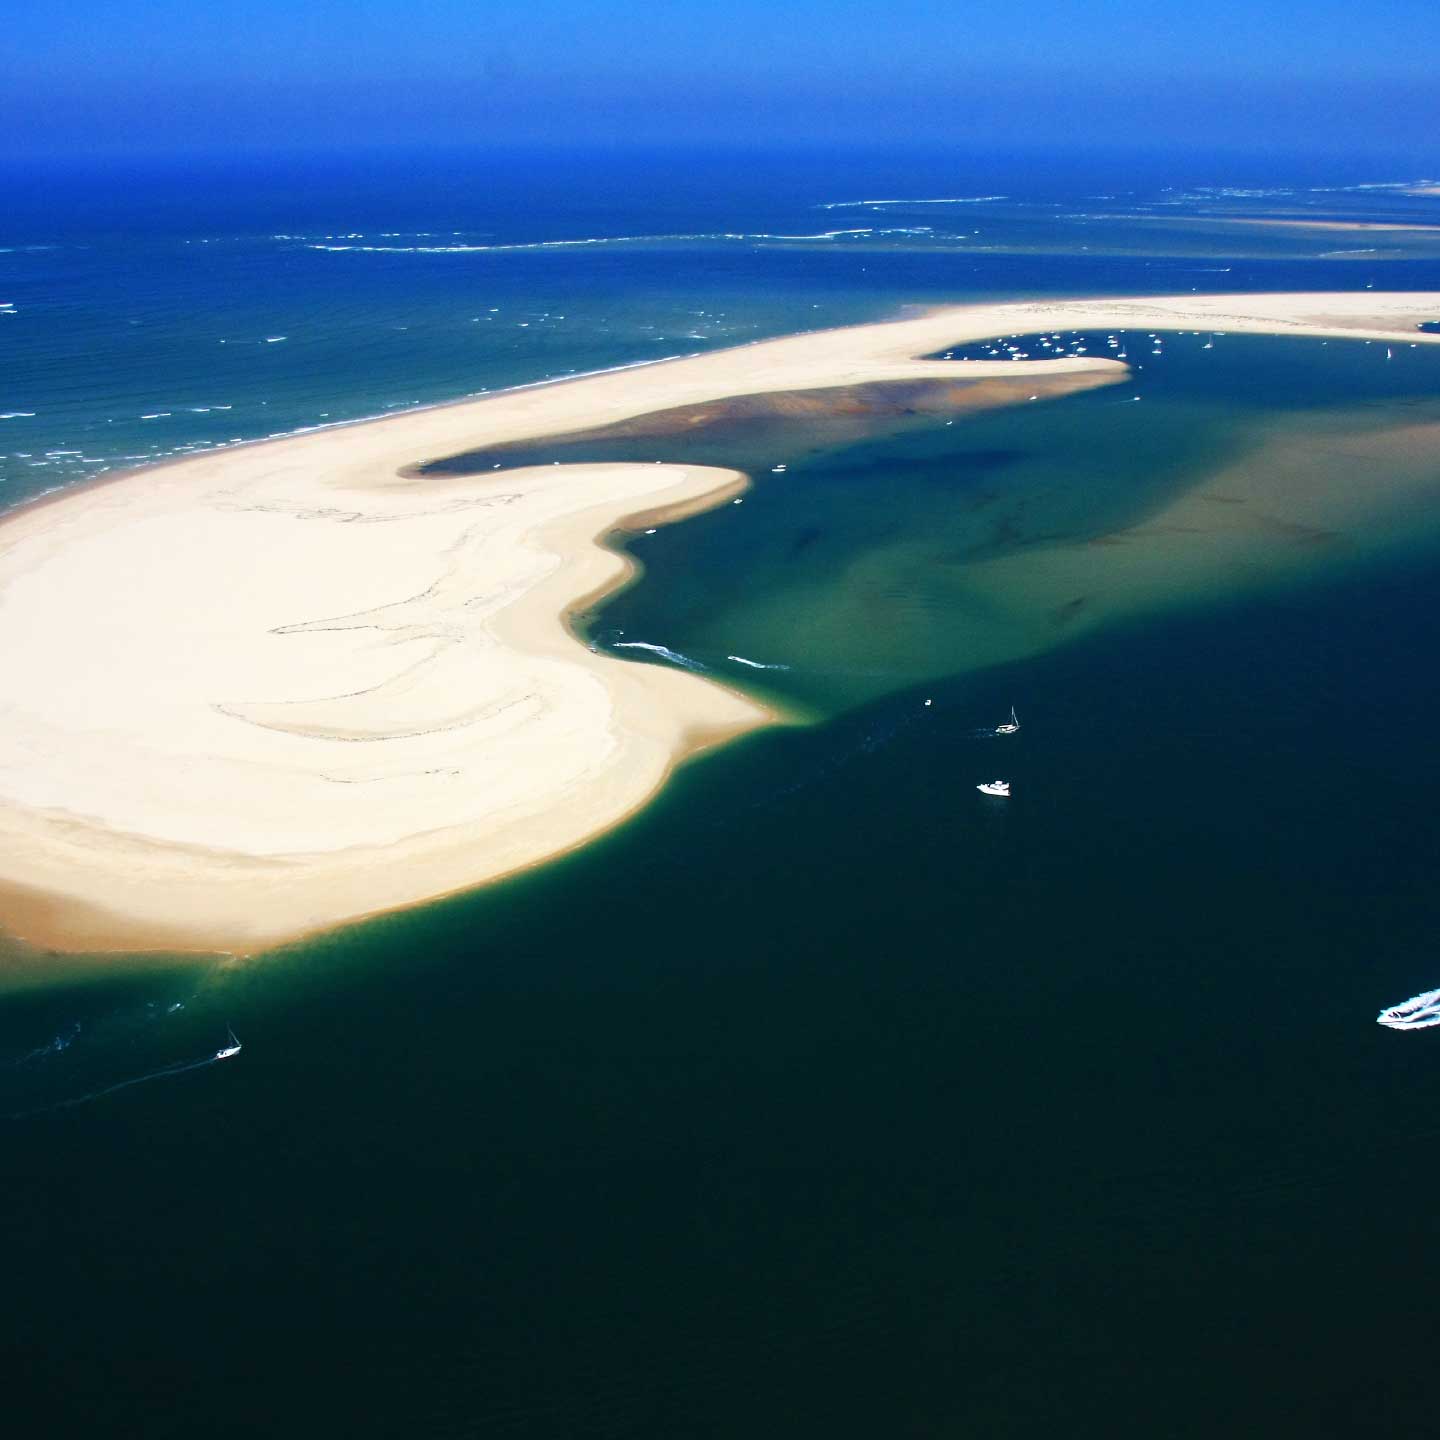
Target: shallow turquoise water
962, 544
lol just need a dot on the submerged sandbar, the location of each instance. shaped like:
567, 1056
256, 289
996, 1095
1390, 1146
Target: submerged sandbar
270, 689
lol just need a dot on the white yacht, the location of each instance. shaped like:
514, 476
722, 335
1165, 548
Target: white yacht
994, 787
233, 1048
1011, 726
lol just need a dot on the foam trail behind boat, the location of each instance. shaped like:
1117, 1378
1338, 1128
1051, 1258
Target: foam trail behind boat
755, 664
676, 658
1420, 1013
55, 1046
165, 1072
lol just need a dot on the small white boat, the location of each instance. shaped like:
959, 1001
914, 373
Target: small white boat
1421, 1013
994, 787
1011, 726
233, 1048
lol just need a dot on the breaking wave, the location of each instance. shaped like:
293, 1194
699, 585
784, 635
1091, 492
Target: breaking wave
360, 244
663, 651
942, 200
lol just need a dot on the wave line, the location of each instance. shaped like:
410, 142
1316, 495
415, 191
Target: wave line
662, 650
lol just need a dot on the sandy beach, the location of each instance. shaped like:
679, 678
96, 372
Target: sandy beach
276, 687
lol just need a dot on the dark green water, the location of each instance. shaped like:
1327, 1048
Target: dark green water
828, 1097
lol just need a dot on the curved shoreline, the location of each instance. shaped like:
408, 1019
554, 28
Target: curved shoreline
267, 689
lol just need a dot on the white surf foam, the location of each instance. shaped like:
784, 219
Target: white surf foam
344, 244
755, 664
941, 200
463, 248
662, 650
1420, 1013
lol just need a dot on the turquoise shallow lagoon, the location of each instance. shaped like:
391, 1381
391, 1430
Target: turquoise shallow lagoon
1223, 465
827, 1096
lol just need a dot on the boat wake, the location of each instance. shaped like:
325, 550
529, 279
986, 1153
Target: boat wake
755, 664
227, 1051
55, 1046
1419, 1013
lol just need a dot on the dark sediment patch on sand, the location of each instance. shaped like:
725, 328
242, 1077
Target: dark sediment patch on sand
752, 431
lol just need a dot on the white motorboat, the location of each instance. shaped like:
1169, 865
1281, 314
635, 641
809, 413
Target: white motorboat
1420, 1013
994, 787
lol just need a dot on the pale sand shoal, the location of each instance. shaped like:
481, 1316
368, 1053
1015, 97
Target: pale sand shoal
1362, 225
277, 687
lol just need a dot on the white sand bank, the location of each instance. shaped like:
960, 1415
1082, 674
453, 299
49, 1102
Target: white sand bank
273, 688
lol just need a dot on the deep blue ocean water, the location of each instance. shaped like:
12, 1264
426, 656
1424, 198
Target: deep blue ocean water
826, 1097
163, 307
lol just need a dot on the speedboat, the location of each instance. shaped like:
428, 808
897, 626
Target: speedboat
1421, 1013
994, 787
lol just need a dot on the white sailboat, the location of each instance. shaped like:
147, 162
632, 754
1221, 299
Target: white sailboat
233, 1048
995, 787
1011, 726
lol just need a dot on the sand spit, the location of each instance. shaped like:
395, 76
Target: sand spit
1346, 225
267, 690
